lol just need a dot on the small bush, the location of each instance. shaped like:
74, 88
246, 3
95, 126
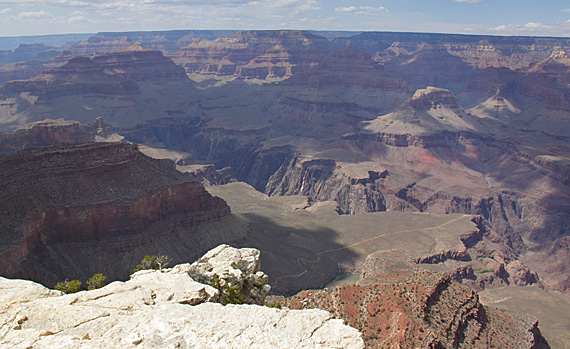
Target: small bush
96, 281
68, 286
274, 304
153, 262
228, 294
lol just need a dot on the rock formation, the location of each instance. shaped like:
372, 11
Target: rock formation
49, 132
256, 55
425, 310
166, 308
131, 80
229, 267
63, 207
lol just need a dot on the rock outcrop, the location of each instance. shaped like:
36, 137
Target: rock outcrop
325, 180
227, 267
49, 132
426, 310
165, 309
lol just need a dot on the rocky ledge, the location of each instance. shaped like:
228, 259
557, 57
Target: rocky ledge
164, 309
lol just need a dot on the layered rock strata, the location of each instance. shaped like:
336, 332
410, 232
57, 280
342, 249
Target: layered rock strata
50, 132
258, 55
66, 207
426, 310
131, 80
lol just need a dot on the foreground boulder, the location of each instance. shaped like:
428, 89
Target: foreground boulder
159, 309
227, 269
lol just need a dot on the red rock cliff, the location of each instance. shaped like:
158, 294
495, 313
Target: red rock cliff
103, 199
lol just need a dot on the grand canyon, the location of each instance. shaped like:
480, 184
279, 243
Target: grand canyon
427, 176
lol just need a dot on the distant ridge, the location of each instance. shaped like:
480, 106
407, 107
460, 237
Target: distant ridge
12, 42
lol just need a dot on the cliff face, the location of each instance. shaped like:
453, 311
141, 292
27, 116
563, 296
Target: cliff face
49, 132
64, 206
259, 55
132, 80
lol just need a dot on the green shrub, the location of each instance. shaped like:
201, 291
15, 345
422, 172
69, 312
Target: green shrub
96, 281
274, 304
68, 286
228, 294
153, 262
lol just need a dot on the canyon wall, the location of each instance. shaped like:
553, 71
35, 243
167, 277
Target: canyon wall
71, 210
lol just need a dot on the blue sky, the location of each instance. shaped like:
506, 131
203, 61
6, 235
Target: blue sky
497, 17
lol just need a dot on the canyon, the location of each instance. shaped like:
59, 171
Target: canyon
344, 139
71, 210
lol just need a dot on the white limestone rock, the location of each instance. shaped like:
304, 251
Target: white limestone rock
230, 266
154, 309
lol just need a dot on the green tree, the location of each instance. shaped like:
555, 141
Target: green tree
68, 286
96, 281
153, 262
162, 261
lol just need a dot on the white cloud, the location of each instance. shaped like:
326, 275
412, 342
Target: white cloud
346, 9
300, 5
80, 19
469, 1
566, 10
36, 15
533, 25
363, 10
534, 28
5, 11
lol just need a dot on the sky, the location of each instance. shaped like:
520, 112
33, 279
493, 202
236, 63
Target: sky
495, 17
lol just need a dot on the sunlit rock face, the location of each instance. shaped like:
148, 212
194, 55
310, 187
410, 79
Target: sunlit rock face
163, 308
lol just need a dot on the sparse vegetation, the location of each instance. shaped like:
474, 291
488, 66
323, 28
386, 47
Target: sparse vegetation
96, 281
153, 262
228, 294
274, 304
68, 286
484, 270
